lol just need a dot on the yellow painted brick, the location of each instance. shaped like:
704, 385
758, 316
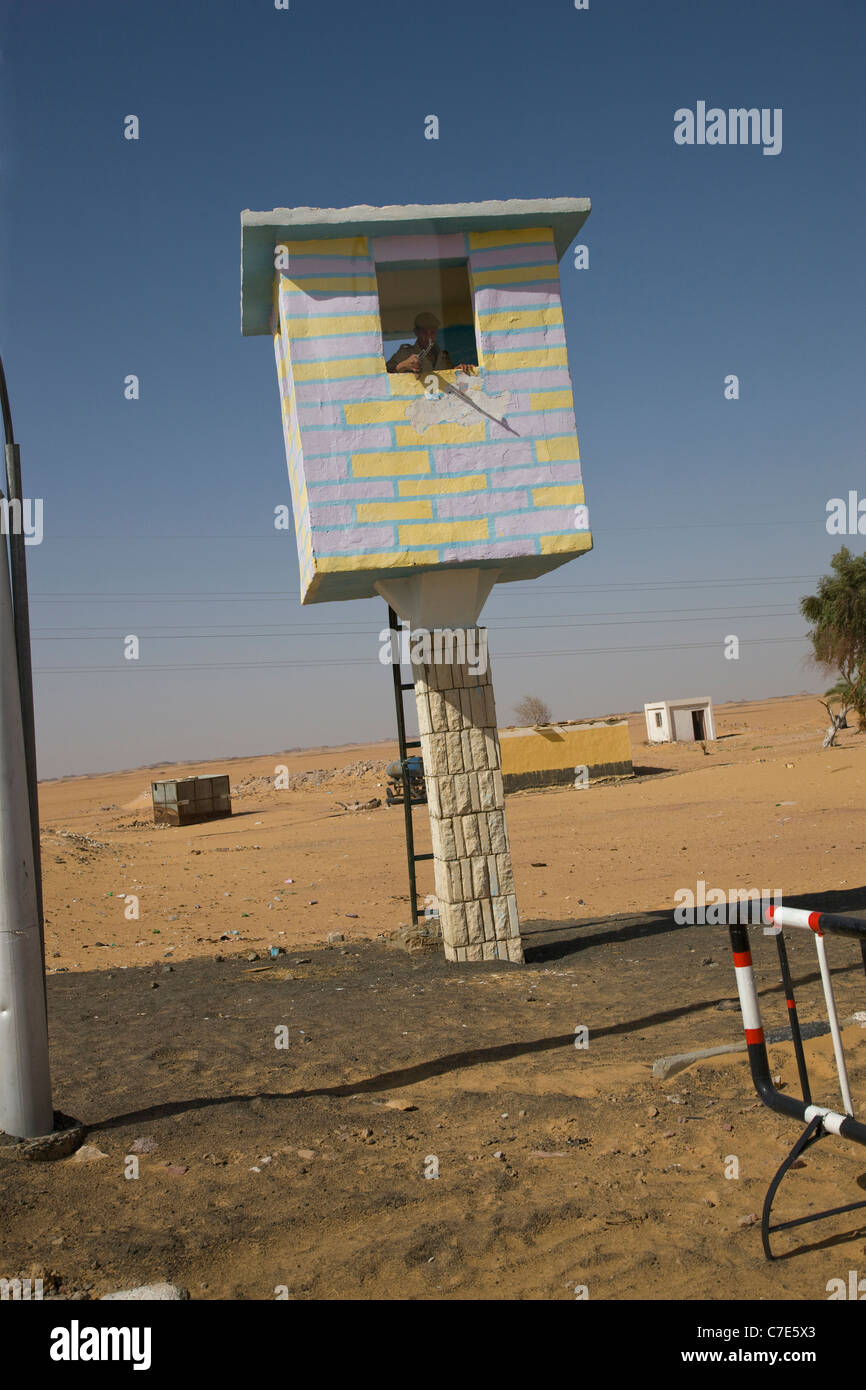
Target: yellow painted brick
297, 283
573, 541
305, 327
337, 367
328, 246
374, 412
520, 318
511, 275
550, 400
442, 532
386, 465
561, 449
557, 496
511, 236
427, 487
388, 559
504, 361
440, 434
419, 510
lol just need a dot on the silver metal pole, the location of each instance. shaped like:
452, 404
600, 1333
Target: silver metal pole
838, 1050
21, 619
26, 1109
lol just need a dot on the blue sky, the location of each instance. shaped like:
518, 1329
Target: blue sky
123, 257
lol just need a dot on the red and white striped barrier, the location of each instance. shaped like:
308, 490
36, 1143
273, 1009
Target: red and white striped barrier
800, 917
818, 1119
818, 923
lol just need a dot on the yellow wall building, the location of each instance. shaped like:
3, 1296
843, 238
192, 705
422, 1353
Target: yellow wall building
554, 754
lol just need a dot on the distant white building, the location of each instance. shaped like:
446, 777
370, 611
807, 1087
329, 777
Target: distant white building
680, 721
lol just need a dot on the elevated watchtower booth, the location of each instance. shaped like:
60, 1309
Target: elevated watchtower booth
429, 487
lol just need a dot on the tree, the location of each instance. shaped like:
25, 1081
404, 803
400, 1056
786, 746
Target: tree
533, 710
840, 692
838, 636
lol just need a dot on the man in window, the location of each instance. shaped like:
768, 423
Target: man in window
425, 354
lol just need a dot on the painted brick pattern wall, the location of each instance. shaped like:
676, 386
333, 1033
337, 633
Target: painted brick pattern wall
472, 860
294, 457
373, 495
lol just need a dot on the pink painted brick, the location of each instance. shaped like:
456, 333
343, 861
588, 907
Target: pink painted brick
326, 470
539, 253
330, 513
469, 504
543, 379
532, 282
352, 388
363, 491
490, 297
553, 422
353, 540
521, 428
555, 520
318, 414
510, 342
332, 345
475, 458
530, 427
542, 475
347, 441
323, 303
487, 550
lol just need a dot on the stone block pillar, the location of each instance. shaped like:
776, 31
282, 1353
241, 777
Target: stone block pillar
472, 860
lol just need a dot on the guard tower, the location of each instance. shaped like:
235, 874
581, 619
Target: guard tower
428, 488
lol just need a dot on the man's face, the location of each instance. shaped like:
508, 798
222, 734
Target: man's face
426, 336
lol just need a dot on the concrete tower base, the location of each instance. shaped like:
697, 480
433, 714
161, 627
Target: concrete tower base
462, 766
472, 861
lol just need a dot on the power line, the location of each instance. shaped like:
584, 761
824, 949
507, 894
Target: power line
215, 635
517, 617
369, 661
700, 582
240, 596
283, 534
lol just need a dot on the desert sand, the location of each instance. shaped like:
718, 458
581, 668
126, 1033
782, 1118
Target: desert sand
305, 1170
764, 807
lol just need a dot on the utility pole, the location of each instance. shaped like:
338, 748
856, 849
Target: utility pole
26, 1109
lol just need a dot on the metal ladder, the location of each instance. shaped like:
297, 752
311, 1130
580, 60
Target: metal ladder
404, 745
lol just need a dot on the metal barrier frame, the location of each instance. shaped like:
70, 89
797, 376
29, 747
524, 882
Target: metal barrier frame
818, 1119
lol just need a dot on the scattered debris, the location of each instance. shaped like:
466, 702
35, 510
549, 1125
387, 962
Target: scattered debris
145, 1145
316, 777
88, 1153
157, 1293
